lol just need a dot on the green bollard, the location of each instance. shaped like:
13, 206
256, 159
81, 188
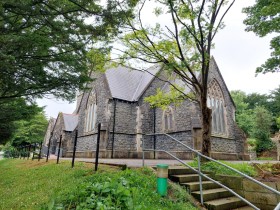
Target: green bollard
162, 175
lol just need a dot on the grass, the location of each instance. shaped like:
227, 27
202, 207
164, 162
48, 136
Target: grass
26, 184
216, 168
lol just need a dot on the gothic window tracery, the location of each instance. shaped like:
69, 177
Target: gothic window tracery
90, 113
216, 102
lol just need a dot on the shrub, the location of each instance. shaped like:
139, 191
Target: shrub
129, 189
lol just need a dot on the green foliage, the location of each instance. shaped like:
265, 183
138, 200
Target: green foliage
244, 116
261, 129
278, 122
9, 151
252, 142
44, 44
14, 110
264, 158
274, 98
129, 189
263, 19
163, 100
30, 130
245, 105
216, 168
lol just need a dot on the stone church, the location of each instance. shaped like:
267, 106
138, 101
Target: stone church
116, 100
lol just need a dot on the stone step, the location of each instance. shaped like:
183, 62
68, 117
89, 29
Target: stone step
225, 203
183, 178
212, 194
245, 208
194, 186
179, 170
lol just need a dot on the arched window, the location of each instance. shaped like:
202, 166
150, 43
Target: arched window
216, 103
168, 120
90, 113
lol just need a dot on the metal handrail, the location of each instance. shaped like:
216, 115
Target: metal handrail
211, 159
201, 174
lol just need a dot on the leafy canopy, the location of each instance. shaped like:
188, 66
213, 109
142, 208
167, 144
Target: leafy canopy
43, 44
263, 18
14, 110
30, 130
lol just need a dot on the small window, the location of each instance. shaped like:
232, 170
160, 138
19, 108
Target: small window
168, 120
90, 117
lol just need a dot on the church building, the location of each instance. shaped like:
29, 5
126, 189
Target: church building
116, 100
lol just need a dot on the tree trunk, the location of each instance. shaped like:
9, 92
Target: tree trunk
206, 126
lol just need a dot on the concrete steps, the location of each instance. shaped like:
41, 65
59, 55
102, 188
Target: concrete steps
212, 194
194, 186
225, 203
214, 197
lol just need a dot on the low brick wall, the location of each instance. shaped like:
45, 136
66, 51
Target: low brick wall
259, 196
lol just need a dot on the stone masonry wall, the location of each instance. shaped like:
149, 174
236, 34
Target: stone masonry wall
223, 145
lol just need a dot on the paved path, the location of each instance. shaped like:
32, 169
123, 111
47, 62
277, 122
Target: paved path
148, 162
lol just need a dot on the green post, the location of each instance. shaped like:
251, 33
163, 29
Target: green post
162, 175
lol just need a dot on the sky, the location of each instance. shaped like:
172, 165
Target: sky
237, 52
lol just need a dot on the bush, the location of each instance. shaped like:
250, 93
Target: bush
129, 189
264, 145
252, 142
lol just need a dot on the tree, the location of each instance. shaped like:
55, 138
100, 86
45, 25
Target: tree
275, 101
261, 129
43, 44
256, 99
244, 115
183, 50
263, 19
31, 130
14, 110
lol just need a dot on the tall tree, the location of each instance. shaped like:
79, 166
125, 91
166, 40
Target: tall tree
30, 130
244, 114
12, 111
263, 18
43, 44
261, 129
182, 46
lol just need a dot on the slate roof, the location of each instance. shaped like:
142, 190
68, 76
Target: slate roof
70, 121
129, 84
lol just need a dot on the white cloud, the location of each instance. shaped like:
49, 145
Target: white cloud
237, 53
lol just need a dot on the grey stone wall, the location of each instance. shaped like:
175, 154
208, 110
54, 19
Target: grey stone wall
223, 145
122, 142
87, 143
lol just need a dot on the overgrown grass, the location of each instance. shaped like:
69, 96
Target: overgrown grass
39, 185
216, 168
129, 189
27, 184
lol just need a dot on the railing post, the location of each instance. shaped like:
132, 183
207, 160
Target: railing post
74, 148
34, 148
49, 144
143, 153
58, 154
40, 150
200, 179
29, 148
97, 147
